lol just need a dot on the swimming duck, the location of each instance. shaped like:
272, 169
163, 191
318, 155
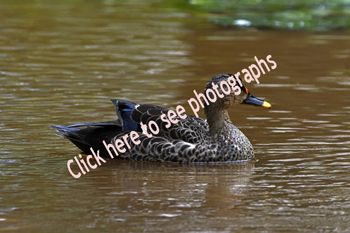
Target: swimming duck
192, 139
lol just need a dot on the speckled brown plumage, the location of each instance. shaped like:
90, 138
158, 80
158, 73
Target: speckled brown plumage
191, 140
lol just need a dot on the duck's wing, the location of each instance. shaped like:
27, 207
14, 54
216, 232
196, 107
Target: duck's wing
131, 115
180, 142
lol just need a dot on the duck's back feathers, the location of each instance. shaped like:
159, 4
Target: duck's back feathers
191, 129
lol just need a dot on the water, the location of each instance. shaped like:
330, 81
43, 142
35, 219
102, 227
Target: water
60, 63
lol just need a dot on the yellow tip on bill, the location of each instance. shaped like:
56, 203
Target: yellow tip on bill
266, 104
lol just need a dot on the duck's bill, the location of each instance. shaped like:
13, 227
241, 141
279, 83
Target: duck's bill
255, 101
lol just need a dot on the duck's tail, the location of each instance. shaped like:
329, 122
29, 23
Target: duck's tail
88, 135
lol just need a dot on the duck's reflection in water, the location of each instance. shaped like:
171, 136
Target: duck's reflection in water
143, 189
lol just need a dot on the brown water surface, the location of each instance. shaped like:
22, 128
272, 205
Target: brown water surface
60, 63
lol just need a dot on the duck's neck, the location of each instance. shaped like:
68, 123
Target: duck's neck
216, 118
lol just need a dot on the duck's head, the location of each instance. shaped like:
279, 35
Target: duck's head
230, 90
224, 91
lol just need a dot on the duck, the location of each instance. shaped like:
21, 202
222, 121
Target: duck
190, 140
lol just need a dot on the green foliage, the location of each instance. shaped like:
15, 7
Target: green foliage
316, 15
